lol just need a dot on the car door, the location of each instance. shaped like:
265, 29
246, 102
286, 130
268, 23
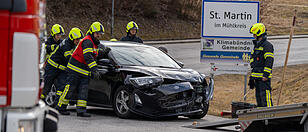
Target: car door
100, 90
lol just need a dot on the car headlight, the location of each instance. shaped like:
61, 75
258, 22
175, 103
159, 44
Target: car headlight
27, 125
203, 79
203, 75
146, 81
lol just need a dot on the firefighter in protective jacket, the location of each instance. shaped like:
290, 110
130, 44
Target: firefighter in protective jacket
261, 62
131, 30
54, 40
80, 67
56, 63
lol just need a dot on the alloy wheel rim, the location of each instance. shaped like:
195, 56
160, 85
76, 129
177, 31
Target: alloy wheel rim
121, 102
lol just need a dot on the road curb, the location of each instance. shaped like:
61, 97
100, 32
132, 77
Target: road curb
198, 40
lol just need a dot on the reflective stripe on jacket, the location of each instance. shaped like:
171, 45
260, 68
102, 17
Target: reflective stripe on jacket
83, 60
62, 54
262, 59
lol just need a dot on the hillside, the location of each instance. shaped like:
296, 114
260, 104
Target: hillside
165, 19
157, 19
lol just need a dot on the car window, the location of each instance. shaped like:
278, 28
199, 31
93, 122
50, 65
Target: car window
142, 56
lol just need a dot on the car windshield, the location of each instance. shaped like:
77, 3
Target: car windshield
142, 56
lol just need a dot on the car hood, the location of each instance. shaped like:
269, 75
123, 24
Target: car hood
182, 74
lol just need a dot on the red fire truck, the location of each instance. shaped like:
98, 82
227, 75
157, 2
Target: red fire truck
22, 23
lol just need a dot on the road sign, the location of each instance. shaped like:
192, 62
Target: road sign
225, 51
230, 69
225, 31
228, 19
226, 42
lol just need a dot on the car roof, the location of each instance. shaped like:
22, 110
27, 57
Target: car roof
122, 43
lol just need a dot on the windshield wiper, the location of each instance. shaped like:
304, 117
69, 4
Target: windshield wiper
165, 67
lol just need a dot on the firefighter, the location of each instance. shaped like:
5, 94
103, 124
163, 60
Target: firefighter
56, 64
131, 30
261, 62
80, 67
57, 32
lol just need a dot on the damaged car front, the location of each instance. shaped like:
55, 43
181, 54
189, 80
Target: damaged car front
158, 86
155, 96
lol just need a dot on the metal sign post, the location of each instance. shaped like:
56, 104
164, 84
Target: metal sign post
245, 87
112, 18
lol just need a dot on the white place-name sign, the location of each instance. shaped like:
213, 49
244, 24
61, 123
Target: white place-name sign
229, 19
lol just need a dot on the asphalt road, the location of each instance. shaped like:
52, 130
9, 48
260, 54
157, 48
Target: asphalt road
104, 120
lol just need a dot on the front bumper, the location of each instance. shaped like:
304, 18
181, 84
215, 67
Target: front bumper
168, 100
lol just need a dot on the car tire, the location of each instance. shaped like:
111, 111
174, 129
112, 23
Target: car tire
200, 115
120, 103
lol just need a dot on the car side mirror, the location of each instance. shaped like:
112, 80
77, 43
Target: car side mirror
104, 62
105, 65
181, 64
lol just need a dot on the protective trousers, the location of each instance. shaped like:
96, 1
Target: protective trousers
53, 76
263, 93
59, 93
75, 82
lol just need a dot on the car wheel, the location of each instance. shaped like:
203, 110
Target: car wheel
205, 108
120, 103
51, 97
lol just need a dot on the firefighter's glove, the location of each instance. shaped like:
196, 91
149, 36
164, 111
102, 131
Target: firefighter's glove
251, 83
95, 75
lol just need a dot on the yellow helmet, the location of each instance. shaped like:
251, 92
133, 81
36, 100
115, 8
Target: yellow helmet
131, 25
96, 27
57, 29
75, 33
258, 29
113, 40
